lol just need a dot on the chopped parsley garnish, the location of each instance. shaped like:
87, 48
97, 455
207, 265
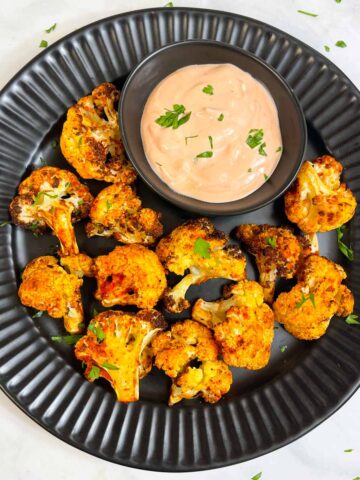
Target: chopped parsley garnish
304, 299
192, 136
67, 185
341, 44
249, 170
338, 1
266, 177
349, 450
94, 312
211, 142
207, 154
283, 348
257, 476
68, 339
94, 373
221, 117
108, 205
169, 5
51, 29
43, 44
308, 13
262, 150
3, 224
209, 90
344, 249
43, 162
54, 144
202, 248
52, 210
255, 137
172, 117
278, 149
38, 314
98, 331
351, 320
327, 48
271, 241
33, 227
39, 198
109, 366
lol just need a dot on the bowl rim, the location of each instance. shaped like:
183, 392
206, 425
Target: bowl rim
205, 208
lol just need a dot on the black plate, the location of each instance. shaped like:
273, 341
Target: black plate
264, 409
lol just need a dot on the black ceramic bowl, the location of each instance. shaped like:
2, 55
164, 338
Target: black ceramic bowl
161, 63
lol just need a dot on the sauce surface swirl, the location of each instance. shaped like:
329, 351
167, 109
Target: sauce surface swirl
211, 132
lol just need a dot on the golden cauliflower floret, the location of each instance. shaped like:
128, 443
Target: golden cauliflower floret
91, 139
211, 380
48, 287
198, 247
276, 250
116, 211
243, 324
113, 348
245, 336
317, 201
176, 349
307, 309
187, 340
129, 275
54, 198
243, 293
345, 301
80, 265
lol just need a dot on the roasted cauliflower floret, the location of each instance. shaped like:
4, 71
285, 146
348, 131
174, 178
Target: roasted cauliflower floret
54, 198
276, 250
243, 324
91, 139
246, 336
46, 286
317, 201
116, 211
345, 300
185, 342
113, 348
80, 265
211, 380
129, 275
198, 247
307, 309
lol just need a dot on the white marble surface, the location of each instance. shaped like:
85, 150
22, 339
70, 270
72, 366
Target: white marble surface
29, 452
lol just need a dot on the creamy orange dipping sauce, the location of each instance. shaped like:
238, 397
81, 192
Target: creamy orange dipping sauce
227, 147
